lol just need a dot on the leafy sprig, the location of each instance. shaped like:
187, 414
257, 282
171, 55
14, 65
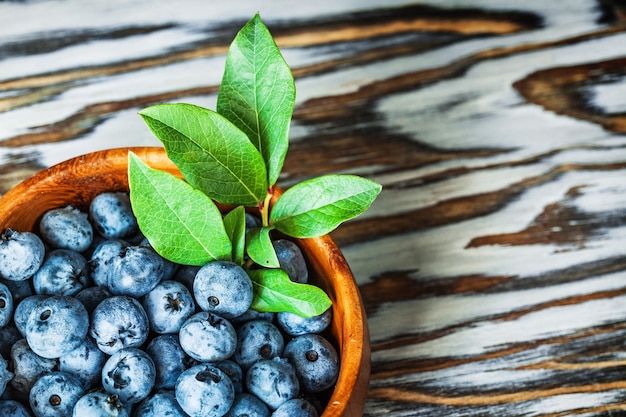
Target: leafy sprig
234, 156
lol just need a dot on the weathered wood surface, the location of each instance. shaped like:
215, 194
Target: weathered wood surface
493, 266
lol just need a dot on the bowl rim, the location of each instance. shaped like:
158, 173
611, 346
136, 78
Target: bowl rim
349, 395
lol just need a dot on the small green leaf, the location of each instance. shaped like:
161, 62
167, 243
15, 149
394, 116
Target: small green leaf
212, 153
260, 249
235, 225
317, 206
258, 93
182, 224
275, 292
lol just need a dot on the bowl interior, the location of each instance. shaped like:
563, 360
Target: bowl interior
78, 180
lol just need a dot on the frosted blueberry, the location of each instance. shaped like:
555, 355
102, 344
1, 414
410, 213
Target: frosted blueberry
135, 272
92, 296
5, 375
291, 260
66, 228
102, 258
297, 407
28, 366
63, 272
273, 381
85, 363
12, 408
168, 305
223, 288
6, 305
256, 340
234, 373
208, 337
204, 391
23, 310
99, 404
160, 404
296, 325
169, 360
55, 394
112, 216
248, 405
21, 254
130, 374
315, 360
117, 322
56, 325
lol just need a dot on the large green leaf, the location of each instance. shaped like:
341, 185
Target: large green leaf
275, 292
182, 224
212, 153
317, 206
258, 93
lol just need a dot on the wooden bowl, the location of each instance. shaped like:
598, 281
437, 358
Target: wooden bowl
78, 180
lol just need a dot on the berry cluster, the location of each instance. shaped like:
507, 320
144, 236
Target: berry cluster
94, 322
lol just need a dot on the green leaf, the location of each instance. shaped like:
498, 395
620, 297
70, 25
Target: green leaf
317, 206
235, 225
212, 153
275, 292
260, 249
182, 224
258, 93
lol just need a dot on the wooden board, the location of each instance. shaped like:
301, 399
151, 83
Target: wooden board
493, 265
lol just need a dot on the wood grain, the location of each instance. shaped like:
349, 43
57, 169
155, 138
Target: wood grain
493, 265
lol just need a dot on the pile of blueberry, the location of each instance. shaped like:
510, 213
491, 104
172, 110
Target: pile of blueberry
94, 323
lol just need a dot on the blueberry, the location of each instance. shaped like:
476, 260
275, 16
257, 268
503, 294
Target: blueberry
256, 340
291, 260
102, 258
247, 405
273, 381
5, 375
23, 310
19, 289
28, 366
99, 404
169, 268
253, 315
11, 408
92, 296
112, 216
252, 221
85, 363
55, 394
204, 391
186, 275
161, 404
297, 407
223, 288
136, 271
130, 374
6, 305
66, 228
208, 337
234, 373
169, 360
21, 254
56, 325
117, 322
295, 325
8, 336
168, 305
63, 272
315, 360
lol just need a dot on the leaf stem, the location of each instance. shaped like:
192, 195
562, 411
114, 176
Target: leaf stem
265, 207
